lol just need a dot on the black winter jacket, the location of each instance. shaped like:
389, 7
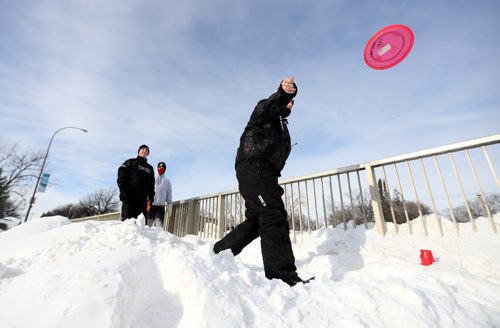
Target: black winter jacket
266, 135
136, 178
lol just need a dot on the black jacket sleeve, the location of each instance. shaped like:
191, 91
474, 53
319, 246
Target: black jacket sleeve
151, 191
123, 179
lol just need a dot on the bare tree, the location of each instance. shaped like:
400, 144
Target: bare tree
4, 196
18, 169
100, 202
234, 211
295, 210
477, 207
63, 210
362, 208
493, 201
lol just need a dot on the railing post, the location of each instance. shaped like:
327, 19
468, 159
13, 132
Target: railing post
221, 216
169, 219
376, 202
191, 216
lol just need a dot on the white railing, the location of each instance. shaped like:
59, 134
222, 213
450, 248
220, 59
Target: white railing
456, 183
100, 217
445, 181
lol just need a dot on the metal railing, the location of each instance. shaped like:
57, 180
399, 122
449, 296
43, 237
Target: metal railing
100, 217
449, 178
450, 184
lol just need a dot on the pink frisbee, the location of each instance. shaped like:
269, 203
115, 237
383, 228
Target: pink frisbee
389, 46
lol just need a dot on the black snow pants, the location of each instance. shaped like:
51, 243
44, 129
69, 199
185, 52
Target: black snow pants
266, 217
134, 206
156, 212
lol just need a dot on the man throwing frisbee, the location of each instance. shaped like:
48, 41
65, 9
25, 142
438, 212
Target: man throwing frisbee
264, 148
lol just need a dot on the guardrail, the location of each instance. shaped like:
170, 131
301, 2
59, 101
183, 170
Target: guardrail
460, 162
461, 186
101, 217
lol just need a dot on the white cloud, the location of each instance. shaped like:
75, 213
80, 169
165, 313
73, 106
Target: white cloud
184, 77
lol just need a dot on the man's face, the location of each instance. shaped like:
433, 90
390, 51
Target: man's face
143, 152
290, 105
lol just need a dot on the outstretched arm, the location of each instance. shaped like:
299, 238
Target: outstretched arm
275, 105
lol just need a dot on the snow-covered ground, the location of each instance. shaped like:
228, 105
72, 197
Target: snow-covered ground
54, 273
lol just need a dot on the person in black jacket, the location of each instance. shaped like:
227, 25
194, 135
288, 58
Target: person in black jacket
136, 181
264, 148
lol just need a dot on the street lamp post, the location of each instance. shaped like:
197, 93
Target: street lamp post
32, 199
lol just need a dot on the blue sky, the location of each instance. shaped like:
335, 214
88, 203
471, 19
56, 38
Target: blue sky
184, 76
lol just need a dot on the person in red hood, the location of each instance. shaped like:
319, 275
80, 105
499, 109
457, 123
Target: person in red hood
163, 196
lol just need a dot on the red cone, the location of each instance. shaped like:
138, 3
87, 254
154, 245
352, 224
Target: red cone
426, 257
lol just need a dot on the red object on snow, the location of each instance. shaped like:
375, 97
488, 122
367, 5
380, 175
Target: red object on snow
389, 46
426, 257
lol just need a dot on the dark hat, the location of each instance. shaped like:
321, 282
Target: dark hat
143, 146
162, 164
